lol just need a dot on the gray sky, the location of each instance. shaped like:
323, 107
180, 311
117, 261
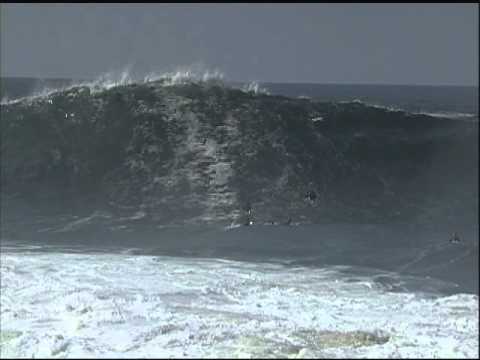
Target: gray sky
325, 43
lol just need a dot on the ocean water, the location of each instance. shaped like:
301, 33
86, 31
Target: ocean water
185, 217
441, 101
118, 305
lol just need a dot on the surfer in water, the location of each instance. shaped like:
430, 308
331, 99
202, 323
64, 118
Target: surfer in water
310, 196
249, 220
455, 238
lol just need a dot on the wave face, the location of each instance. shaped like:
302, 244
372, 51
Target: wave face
206, 153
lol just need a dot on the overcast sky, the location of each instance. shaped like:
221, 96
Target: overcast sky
325, 43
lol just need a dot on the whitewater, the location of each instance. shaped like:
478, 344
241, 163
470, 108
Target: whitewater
118, 305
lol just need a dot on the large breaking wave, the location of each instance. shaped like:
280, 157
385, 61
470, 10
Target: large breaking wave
92, 166
182, 148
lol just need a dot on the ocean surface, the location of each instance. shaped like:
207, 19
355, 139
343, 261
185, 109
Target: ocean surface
184, 216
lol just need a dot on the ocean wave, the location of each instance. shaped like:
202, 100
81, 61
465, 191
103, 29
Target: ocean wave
440, 114
184, 145
111, 80
451, 115
196, 75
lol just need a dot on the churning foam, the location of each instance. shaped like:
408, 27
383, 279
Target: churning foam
77, 305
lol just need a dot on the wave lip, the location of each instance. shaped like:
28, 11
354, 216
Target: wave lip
451, 115
113, 80
438, 114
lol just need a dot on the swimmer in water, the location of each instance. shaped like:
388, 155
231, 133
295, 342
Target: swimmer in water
249, 220
310, 196
455, 238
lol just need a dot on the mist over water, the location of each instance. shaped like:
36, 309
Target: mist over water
129, 201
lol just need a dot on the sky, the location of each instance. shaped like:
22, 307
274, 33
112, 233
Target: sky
429, 44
